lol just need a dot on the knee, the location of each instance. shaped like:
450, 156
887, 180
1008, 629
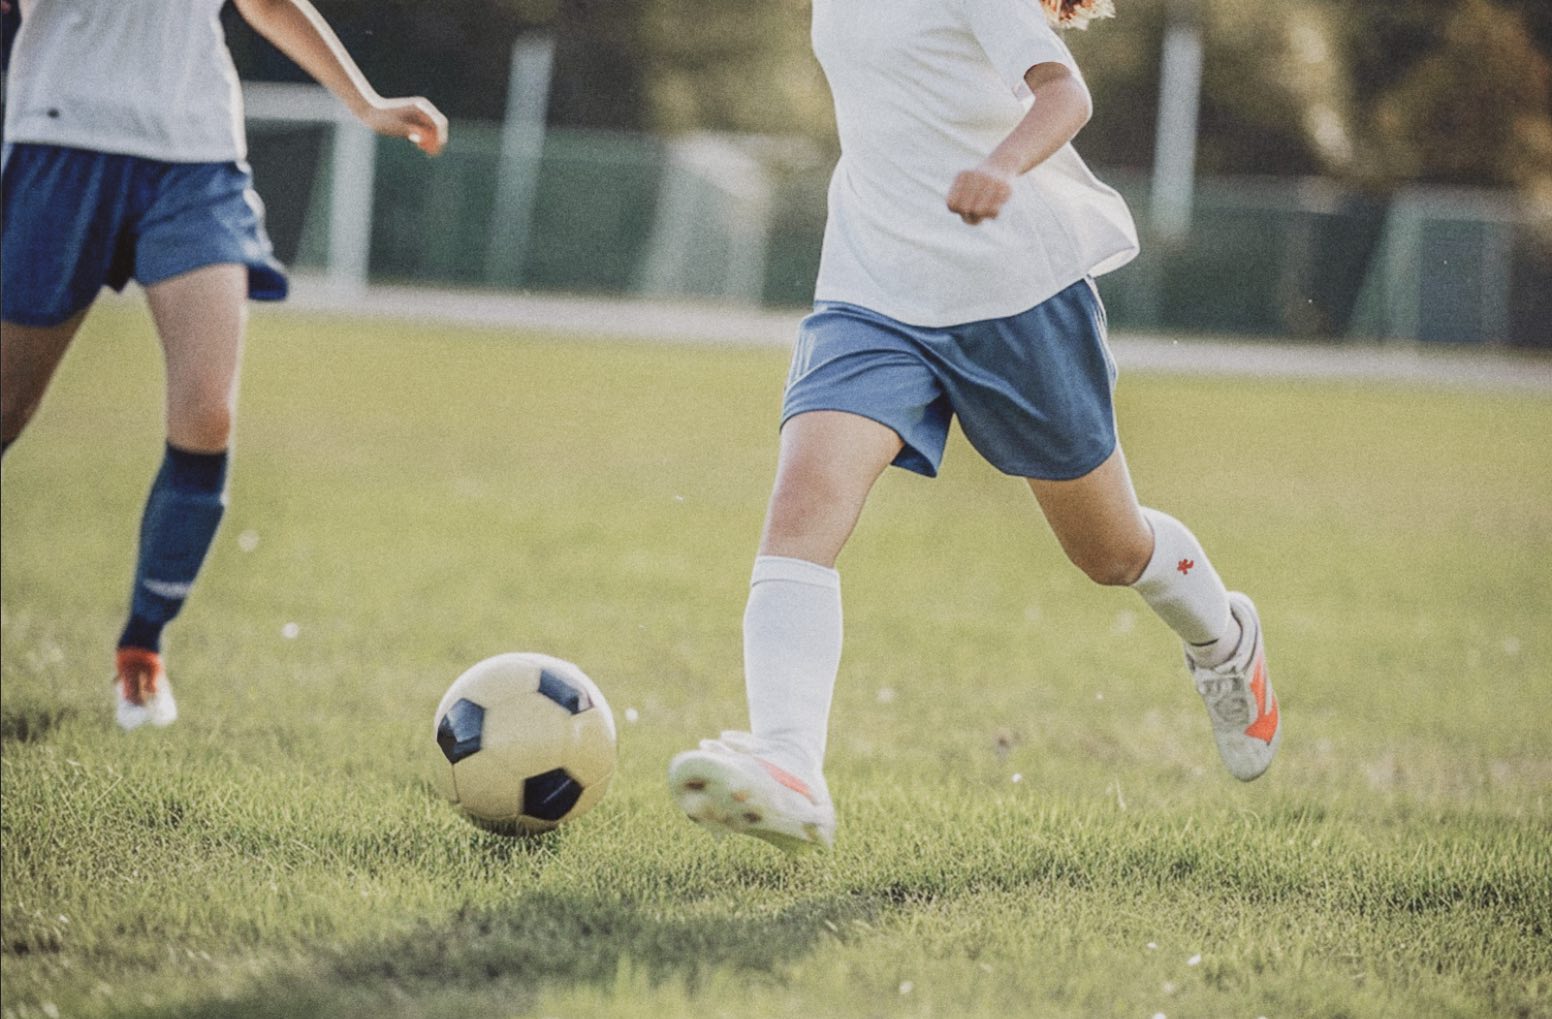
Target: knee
203, 424
808, 520
1112, 565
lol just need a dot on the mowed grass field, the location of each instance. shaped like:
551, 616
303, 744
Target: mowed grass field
1033, 821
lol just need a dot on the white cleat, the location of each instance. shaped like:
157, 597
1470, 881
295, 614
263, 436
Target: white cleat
727, 786
1239, 698
143, 691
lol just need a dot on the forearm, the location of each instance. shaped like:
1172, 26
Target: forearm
299, 31
1060, 110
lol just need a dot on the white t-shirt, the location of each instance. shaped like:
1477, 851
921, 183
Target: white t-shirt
924, 89
149, 78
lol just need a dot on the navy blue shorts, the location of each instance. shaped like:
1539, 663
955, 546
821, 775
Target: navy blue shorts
1033, 392
77, 220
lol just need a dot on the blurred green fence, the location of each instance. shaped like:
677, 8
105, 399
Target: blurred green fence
622, 214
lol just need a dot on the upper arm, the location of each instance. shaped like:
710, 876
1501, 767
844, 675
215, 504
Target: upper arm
1057, 82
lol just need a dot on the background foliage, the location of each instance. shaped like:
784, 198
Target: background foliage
1445, 91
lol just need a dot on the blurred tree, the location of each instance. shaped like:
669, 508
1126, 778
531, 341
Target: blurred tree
1266, 71
679, 65
601, 66
735, 65
456, 53
1433, 90
1475, 107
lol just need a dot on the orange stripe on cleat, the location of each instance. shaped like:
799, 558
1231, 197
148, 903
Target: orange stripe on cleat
1265, 725
787, 779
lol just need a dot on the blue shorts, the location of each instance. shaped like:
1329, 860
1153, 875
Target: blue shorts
76, 220
1032, 391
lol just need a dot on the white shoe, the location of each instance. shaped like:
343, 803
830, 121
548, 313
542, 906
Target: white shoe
143, 691
728, 786
1239, 698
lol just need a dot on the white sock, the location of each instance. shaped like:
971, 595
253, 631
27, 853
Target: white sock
792, 651
1183, 588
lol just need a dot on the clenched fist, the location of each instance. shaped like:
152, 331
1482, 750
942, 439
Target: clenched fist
980, 193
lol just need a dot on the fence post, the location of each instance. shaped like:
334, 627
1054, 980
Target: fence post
517, 170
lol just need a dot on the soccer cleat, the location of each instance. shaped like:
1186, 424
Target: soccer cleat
144, 694
727, 786
1239, 698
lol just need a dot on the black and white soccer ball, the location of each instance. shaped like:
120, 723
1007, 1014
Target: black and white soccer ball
528, 742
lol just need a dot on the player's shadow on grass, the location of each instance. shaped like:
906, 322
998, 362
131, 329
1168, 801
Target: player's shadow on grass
545, 939
30, 723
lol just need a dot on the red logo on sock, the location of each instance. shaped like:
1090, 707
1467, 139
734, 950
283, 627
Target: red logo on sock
1185, 565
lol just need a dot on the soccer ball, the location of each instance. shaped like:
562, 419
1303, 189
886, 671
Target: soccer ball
528, 741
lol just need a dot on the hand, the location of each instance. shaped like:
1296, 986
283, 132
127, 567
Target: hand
980, 193
416, 119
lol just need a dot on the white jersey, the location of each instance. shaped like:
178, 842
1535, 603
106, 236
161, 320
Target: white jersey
924, 89
149, 78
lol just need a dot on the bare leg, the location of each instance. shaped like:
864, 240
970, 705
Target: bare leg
28, 357
1098, 522
828, 464
200, 317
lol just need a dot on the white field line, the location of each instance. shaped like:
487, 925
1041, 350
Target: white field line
687, 322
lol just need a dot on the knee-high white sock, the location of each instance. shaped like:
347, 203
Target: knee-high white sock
792, 651
1183, 588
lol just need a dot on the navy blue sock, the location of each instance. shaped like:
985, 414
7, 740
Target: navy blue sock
181, 516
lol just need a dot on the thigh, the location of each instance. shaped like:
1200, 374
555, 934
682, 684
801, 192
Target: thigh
828, 464
200, 317
28, 357
1098, 521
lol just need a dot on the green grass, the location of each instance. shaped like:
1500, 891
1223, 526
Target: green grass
421, 498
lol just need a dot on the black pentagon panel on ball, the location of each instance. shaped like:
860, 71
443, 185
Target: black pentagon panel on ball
563, 692
458, 734
550, 796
